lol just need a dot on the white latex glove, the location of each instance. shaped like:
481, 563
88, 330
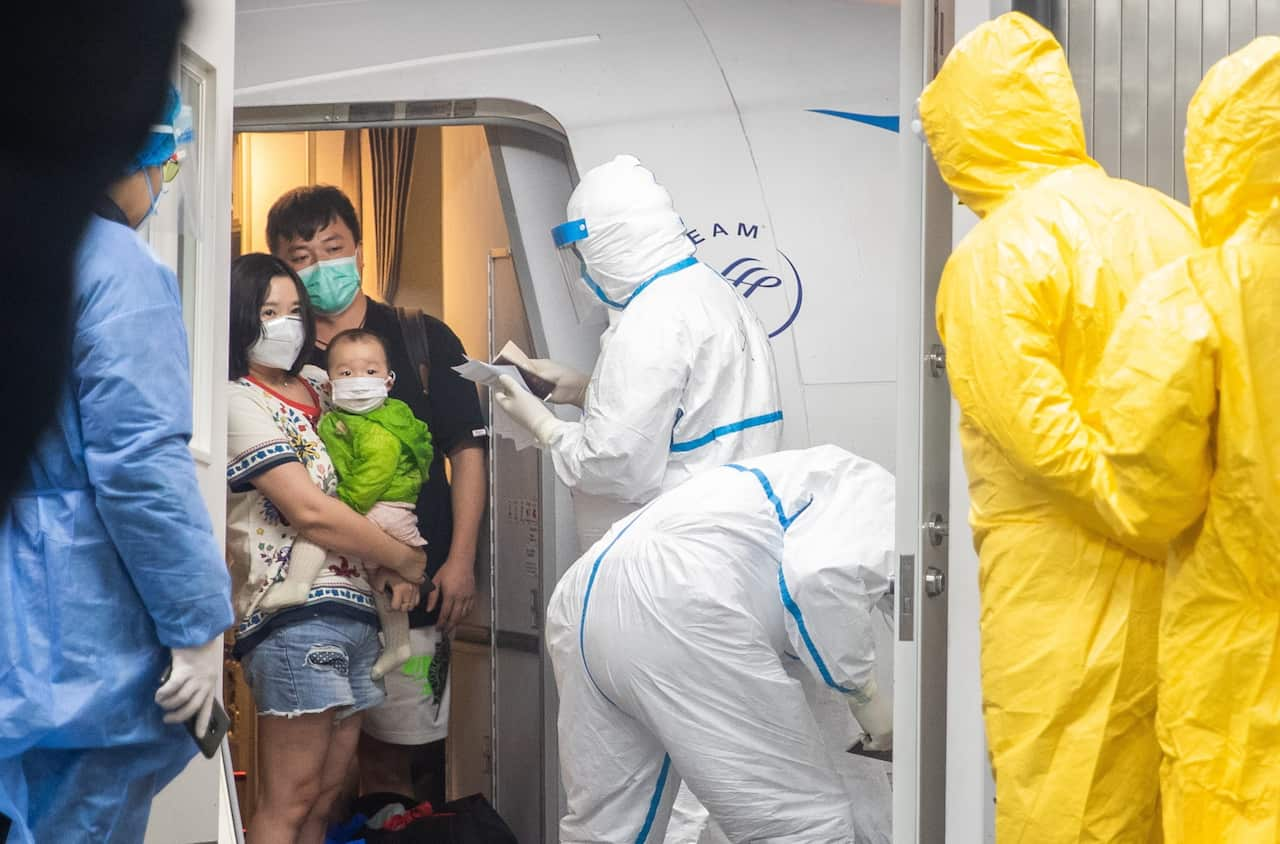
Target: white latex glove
192, 684
571, 385
875, 717
525, 409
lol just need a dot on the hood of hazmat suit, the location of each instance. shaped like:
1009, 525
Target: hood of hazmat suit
1189, 406
634, 232
668, 639
1026, 304
109, 561
685, 380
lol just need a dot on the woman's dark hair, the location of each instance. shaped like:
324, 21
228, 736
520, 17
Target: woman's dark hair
251, 277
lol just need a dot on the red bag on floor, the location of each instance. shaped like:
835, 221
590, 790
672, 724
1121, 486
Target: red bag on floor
469, 820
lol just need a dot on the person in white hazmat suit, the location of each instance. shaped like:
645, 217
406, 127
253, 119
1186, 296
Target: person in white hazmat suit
668, 639
685, 380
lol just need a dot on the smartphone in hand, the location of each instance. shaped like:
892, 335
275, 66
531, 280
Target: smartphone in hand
219, 723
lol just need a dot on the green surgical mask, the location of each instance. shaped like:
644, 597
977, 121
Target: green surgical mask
332, 285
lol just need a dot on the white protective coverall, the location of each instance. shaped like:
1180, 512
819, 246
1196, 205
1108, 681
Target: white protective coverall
668, 637
685, 380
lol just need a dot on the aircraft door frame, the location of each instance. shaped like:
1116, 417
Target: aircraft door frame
201, 805
535, 174
924, 413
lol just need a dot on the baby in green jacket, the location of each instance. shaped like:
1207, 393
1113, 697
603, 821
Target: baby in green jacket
382, 454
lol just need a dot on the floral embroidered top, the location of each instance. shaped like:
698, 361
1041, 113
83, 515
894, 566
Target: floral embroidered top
265, 430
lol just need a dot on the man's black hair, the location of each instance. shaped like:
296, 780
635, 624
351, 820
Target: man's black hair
303, 211
251, 277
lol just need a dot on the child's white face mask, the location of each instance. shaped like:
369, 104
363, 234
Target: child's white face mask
360, 394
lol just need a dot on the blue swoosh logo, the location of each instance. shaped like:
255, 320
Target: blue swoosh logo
888, 122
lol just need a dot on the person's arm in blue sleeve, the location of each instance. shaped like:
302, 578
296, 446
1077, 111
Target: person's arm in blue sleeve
132, 385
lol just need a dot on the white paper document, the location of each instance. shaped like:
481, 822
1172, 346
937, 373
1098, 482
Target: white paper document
488, 374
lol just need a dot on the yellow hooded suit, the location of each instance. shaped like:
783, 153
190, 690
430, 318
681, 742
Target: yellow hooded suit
1188, 405
1026, 305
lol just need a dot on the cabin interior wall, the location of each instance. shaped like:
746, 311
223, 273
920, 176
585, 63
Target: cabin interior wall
473, 225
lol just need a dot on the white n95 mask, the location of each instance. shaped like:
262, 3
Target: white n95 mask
279, 344
359, 394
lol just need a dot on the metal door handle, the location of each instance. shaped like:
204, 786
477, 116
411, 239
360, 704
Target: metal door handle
935, 582
936, 360
937, 529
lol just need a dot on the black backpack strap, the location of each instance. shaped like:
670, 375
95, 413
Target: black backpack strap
414, 332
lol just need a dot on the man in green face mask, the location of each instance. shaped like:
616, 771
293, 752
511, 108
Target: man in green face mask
316, 231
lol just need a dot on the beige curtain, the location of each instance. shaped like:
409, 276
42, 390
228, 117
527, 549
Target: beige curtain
391, 151
352, 183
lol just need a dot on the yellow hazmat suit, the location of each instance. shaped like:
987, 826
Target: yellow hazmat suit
1027, 301
1189, 399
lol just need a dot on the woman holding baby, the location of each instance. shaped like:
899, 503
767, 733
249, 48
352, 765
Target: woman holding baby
308, 663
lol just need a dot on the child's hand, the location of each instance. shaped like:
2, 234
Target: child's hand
404, 595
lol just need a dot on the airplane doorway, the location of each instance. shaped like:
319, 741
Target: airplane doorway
428, 202
436, 238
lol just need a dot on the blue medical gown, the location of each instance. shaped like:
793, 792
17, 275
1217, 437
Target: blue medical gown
107, 556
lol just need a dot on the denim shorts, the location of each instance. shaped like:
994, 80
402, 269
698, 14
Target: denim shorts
314, 666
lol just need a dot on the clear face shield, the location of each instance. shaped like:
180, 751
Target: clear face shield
177, 212
585, 294
567, 236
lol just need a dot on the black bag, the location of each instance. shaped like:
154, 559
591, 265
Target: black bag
414, 333
469, 820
